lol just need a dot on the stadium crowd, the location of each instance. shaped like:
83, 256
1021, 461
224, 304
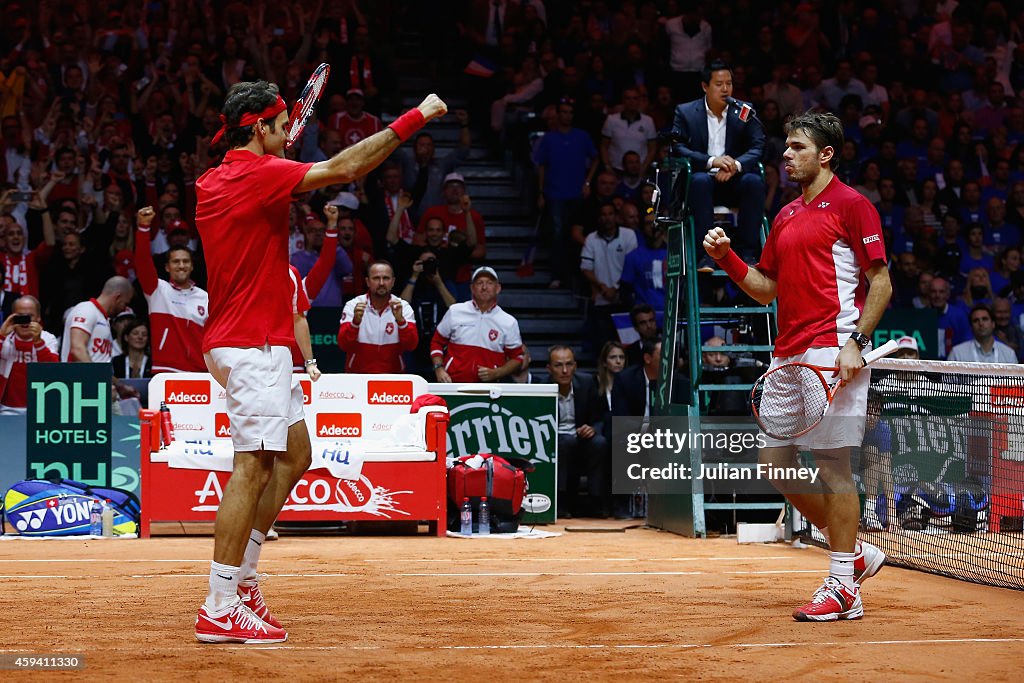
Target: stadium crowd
109, 107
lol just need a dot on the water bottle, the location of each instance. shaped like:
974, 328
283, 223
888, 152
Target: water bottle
467, 518
484, 518
96, 518
108, 519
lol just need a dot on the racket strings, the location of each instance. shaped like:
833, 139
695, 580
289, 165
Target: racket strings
790, 400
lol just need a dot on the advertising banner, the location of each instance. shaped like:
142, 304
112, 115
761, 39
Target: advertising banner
68, 422
513, 421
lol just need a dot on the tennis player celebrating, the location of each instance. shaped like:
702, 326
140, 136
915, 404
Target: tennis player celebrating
242, 217
820, 247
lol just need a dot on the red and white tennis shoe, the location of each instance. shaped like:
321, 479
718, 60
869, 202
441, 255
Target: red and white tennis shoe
236, 624
832, 602
868, 561
252, 597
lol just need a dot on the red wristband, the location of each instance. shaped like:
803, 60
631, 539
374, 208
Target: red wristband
733, 266
408, 123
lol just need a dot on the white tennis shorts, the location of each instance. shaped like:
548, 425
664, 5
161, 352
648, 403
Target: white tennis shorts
843, 424
264, 398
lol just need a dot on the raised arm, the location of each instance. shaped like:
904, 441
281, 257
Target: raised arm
145, 270
759, 286
364, 156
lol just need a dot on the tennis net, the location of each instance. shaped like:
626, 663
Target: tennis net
941, 470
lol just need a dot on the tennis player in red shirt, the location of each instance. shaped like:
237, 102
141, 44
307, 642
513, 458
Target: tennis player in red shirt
242, 217
824, 261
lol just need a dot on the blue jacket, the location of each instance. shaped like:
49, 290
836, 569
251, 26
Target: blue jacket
744, 140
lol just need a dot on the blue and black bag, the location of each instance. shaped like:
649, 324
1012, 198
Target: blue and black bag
62, 507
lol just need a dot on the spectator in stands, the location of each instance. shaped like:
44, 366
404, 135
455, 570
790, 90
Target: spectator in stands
1006, 264
423, 173
632, 180
22, 267
376, 329
86, 336
976, 254
689, 37
582, 448
923, 292
841, 85
430, 299
890, 212
610, 362
645, 321
998, 233
724, 144
719, 368
983, 348
601, 262
354, 283
68, 276
134, 361
394, 203
629, 130
566, 163
477, 341
1008, 330
644, 270
953, 324
178, 308
332, 290
354, 124
978, 288
905, 273
634, 389
457, 213
782, 91
22, 340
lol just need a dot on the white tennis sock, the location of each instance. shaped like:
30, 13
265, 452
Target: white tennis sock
841, 567
223, 586
247, 575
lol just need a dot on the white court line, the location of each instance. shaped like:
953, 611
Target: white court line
193, 576
94, 559
589, 559
430, 574
37, 576
633, 646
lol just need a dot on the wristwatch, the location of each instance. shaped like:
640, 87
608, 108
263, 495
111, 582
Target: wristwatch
861, 340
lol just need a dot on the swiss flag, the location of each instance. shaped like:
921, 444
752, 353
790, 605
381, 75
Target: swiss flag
51, 503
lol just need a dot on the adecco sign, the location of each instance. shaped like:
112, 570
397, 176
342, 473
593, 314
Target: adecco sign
388, 393
189, 392
336, 425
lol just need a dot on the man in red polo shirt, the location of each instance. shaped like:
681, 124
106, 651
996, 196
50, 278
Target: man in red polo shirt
824, 261
242, 217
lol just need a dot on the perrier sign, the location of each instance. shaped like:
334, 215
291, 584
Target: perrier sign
508, 423
68, 426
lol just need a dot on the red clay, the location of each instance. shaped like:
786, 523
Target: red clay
636, 605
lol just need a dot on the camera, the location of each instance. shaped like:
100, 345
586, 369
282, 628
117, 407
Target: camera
21, 196
430, 266
21, 319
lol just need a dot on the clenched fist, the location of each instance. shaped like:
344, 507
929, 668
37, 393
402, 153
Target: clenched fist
145, 216
432, 106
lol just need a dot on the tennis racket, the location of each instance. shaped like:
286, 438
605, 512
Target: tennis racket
790, 400
304, 107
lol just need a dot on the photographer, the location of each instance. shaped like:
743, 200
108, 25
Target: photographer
22, 341
430, 299
452, 250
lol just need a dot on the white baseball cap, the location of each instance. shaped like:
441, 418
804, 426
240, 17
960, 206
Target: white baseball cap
346, 200
454, 178
484, 270
907, 343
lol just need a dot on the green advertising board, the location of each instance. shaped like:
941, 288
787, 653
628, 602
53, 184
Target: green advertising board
919, 323
510, 420
68, 430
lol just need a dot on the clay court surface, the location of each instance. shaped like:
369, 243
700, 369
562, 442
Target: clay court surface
637, 605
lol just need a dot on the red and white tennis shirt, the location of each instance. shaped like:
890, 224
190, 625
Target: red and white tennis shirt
177, 316
377, 343
90, 317
818, 254
300, 304
475, 339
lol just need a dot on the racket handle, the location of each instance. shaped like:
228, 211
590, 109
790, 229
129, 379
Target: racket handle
881, 352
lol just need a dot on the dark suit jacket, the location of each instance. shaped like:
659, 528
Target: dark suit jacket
744, 140
629, 393
591, 408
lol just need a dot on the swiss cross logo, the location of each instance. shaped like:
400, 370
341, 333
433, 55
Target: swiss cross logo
201, 309
307, 391
745, 111
389, 328
79, 319
339, 424
187, 391
52, 503
493, 335
221, 426
389, 393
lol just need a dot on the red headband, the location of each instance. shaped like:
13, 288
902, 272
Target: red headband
248, 119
